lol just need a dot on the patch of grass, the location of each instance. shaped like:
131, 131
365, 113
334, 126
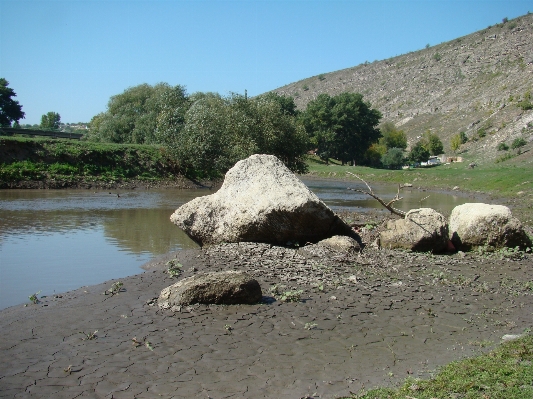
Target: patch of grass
505, 373
174, 268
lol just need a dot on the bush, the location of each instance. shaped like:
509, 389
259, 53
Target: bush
503, 147
321, 77
482, 132
393, 159
437, 57
517, 143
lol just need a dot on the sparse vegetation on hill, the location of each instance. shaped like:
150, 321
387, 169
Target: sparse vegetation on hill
479, 81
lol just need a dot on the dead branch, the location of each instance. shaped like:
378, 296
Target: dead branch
387, 205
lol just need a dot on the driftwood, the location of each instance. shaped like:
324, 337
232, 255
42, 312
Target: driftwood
387, 205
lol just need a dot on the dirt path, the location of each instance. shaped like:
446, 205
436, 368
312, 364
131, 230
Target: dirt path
364, 320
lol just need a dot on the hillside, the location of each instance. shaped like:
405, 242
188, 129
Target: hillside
472, 83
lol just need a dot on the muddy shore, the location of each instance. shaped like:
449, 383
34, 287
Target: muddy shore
363, 320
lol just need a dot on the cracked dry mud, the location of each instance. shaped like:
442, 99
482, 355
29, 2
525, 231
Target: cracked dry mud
364, 320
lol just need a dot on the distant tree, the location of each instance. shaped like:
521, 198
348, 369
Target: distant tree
432, 143
393, 159
419, 153
343, 125
456, 142
374, 154
16, 125
392, 137
10, 110
286, 103
464, 138
50, 121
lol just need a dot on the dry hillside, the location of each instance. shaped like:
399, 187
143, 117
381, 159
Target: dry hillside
469, 84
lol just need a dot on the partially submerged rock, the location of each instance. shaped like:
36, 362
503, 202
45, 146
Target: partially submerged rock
227, 287
474, 225
421, 230
261, 200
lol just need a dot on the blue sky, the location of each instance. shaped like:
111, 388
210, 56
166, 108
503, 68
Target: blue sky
71, 56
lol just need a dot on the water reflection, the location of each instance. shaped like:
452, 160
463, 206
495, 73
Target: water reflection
336, 195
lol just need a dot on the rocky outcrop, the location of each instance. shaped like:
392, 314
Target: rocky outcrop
227, 287
261, 200
476, 225
421, 230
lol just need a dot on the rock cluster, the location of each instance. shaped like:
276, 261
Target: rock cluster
261, 200
471, 226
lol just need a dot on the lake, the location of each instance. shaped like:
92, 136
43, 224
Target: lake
53, 241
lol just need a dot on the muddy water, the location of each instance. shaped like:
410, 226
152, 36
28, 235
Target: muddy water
53, 241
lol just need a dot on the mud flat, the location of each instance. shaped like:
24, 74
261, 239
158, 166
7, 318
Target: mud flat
362, 320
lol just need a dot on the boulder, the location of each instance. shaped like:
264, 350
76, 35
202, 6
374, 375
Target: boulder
227, 287
476, 225
421, 230
341, 244
261, 200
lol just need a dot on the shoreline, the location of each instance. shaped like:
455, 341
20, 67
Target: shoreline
402, 314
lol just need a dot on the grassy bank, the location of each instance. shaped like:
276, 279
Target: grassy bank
505, 373
57, 159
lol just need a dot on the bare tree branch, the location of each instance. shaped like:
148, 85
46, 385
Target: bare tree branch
387, 205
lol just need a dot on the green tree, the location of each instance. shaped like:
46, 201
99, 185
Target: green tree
10, 110
392, 137
464, 138
50, 121
456, 142
419, 153
393, 159
344, 125
131, 117
217, 132
432, 143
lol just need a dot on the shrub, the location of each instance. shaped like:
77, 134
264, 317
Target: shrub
517, 143
504, 157
305, 87
482, 132
504, 20
393, 159
437, 57
503, 147
321, 77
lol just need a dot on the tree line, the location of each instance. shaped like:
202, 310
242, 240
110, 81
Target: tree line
207, 133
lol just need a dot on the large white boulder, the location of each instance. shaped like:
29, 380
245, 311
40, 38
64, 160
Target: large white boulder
261, 200
421, 230
476, 225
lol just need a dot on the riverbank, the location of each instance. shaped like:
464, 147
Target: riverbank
362, 320
507, 183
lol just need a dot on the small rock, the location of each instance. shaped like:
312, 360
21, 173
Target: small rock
510, 337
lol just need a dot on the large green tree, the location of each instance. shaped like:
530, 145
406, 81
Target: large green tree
10, 110
217, 131
342, 126
132, 116
50, 121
